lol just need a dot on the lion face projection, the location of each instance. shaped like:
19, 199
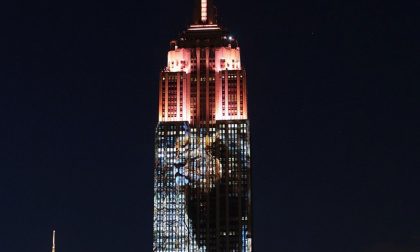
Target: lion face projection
196, 162
198, 169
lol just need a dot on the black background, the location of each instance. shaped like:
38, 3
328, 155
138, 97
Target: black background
334, 110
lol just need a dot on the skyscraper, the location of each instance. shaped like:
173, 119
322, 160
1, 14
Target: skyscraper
202, 187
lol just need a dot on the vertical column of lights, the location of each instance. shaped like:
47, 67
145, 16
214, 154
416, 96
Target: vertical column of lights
243, 184
204, 10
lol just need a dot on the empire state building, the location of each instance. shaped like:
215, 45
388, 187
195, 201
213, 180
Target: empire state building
202, 173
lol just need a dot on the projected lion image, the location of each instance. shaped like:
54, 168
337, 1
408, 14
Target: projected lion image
202, 174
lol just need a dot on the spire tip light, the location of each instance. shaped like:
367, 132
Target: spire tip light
204, 10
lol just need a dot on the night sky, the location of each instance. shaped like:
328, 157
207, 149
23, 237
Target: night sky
334, 109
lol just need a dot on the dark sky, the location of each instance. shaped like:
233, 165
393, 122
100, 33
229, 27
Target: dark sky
334, 102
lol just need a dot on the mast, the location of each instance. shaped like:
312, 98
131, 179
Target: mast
53, 242
204, 13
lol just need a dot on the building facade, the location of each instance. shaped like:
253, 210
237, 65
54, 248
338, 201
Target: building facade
202, 174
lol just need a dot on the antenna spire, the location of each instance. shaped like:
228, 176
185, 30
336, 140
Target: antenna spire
53, 241
204, 9
204, 13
